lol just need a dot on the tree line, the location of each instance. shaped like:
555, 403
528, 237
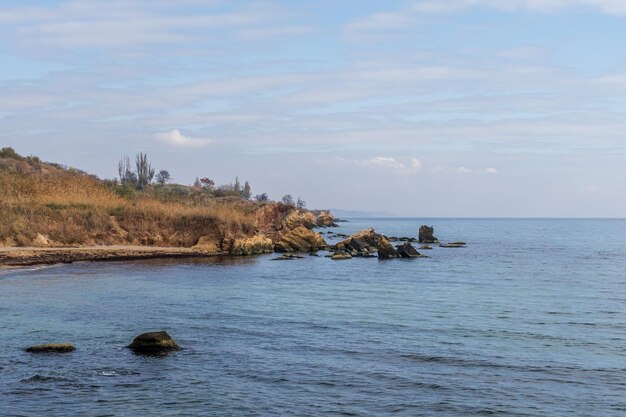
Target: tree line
142, 174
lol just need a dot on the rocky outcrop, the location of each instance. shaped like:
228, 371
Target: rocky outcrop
325, 219
338, 256
299, 239
51, 348
407, 250
254, 245
426, 235
386, 249
209, 243
153, 343
361, 240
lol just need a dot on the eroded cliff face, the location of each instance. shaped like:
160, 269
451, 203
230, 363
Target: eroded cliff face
290, 229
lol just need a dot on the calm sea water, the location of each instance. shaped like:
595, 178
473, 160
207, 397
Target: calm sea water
528, 320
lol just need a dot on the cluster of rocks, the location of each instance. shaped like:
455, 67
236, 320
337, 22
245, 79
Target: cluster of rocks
150, 343
369, 244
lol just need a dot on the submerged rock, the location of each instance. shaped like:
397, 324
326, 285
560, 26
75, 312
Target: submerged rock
426, 235
51, 348
426, 247
453, 245
153, 343
287, 257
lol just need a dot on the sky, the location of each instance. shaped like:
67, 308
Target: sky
464, 108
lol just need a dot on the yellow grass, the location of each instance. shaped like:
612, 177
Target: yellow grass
73, 208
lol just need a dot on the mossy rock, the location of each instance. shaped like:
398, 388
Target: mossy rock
51, 348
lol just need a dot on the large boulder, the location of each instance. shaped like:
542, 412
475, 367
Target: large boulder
51, 348
367, 237
386, 249
407, 250
299, 239
426, 235
153, 343
254, 245
325, 219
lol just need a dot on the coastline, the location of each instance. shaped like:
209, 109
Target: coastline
13, 256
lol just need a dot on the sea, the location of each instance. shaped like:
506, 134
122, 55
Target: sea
529, 319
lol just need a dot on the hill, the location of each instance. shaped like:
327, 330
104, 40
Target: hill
49, 205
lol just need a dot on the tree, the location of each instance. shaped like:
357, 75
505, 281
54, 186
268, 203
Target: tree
300, 204
127, 176
207, 183
237, 186
163, 177
197, 183
261, 197
287, 199
247, 191
145, 172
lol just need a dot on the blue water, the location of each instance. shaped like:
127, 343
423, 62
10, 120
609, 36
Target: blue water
528, 320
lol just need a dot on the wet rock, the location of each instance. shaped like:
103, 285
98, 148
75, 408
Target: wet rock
386, 249
407, 250
337, 256
426, 235
51, 348
426, 247
153, 343
287, 257
453, 245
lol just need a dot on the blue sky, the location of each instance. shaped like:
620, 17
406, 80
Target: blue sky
424, 108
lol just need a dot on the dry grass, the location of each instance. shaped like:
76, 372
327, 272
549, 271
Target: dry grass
70, 207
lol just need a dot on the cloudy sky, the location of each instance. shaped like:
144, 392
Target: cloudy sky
423, 108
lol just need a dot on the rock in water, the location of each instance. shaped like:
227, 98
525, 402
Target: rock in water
386, 250
52, 348
407, 251
153, 343
299, 239
426, 235
453, 245
338, 256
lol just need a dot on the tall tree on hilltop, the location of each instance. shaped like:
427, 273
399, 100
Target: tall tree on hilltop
247, 191
145, 172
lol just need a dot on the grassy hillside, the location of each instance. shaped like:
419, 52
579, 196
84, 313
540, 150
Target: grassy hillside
47, 204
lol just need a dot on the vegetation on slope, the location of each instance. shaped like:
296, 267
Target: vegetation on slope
48, 204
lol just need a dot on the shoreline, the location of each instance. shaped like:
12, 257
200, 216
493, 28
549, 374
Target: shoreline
15, 256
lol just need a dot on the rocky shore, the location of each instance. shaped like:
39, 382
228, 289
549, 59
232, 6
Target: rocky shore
28, 256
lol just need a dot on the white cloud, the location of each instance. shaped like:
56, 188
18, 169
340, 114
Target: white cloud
491, 171
463, 170
176, 138
381, 162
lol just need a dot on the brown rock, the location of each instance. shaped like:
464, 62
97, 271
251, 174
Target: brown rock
299, 239
254, 245
153, 343
386, 250
407, 250
426, 235
52, 348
